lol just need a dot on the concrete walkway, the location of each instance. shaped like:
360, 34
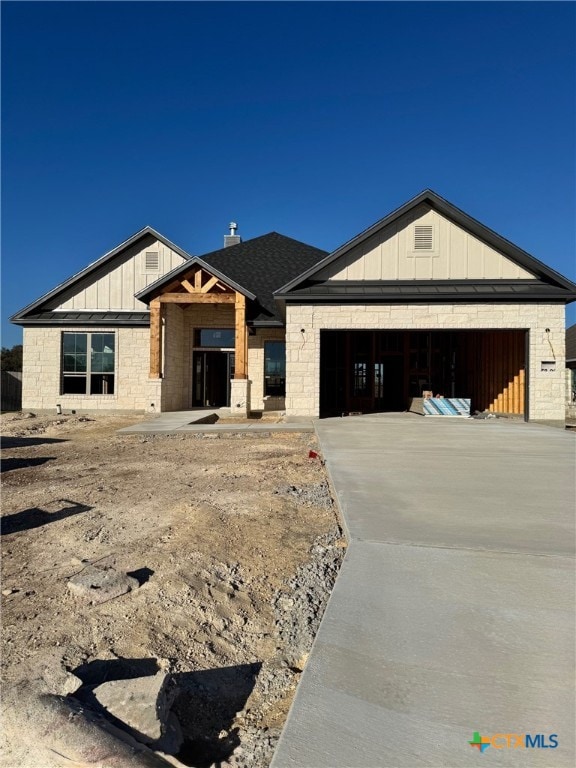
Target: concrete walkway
178, 422
454, 609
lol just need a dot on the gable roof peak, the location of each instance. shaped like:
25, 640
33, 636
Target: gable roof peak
458, 217
98, 264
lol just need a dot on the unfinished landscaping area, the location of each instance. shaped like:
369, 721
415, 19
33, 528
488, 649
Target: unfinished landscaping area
162, 591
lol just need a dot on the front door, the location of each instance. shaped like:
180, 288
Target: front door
212, 374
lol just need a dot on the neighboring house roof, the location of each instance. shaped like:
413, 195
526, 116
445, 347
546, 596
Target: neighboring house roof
256, 267
571, 344
542, 273
28, 312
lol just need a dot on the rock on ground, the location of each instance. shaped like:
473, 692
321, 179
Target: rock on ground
50, 731
99, 585
142, 706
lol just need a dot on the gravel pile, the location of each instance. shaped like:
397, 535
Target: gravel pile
299, 609
315, 495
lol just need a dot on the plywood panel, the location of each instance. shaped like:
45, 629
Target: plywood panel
491, 370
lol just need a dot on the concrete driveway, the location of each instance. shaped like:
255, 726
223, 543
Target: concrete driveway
453, 613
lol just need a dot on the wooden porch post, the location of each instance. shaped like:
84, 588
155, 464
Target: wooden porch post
155, 339
240, 337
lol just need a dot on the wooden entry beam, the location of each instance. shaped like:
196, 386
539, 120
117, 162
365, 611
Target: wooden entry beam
240, 338
197, 298
155, 339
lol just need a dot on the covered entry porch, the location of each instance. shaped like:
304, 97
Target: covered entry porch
370, 371
199, 340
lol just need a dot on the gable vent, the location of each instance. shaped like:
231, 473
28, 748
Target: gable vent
152, 261
423, 237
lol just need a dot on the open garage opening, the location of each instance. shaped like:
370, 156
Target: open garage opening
373, 371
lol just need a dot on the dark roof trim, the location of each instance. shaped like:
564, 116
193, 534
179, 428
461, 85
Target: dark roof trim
485, 291
113, 319
147, 294
458, 216
266, 324
425, 298
97, 265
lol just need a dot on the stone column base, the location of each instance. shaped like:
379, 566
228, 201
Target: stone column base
240, 397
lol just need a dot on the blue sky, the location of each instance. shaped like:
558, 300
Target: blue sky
311, 119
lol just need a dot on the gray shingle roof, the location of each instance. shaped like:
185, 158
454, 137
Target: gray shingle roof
259, 266
262, 265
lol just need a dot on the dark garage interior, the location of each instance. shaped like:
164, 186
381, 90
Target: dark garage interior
375, 371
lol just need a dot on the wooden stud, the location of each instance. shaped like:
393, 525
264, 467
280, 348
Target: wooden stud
198, 279
240, 336
519, 363
507, 373
155, 339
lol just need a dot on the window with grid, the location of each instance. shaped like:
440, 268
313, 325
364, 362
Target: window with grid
88, 361
274, 368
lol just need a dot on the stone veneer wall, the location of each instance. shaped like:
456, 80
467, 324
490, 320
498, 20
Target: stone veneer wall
41, 372
134, 390
546, 390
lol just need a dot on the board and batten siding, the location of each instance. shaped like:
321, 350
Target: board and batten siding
113, 287
455, 254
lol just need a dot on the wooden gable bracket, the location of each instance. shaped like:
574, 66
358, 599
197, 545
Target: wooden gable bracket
210, 284
189, 287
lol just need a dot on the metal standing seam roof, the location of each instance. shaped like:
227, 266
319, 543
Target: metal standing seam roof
526, 290
90, 318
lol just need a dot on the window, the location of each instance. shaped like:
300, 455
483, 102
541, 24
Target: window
88, 363
214, 337
151, 261
274, 368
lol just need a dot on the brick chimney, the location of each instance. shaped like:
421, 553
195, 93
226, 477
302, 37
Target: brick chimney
232, 238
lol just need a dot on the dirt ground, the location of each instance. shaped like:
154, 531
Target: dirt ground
220, 531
